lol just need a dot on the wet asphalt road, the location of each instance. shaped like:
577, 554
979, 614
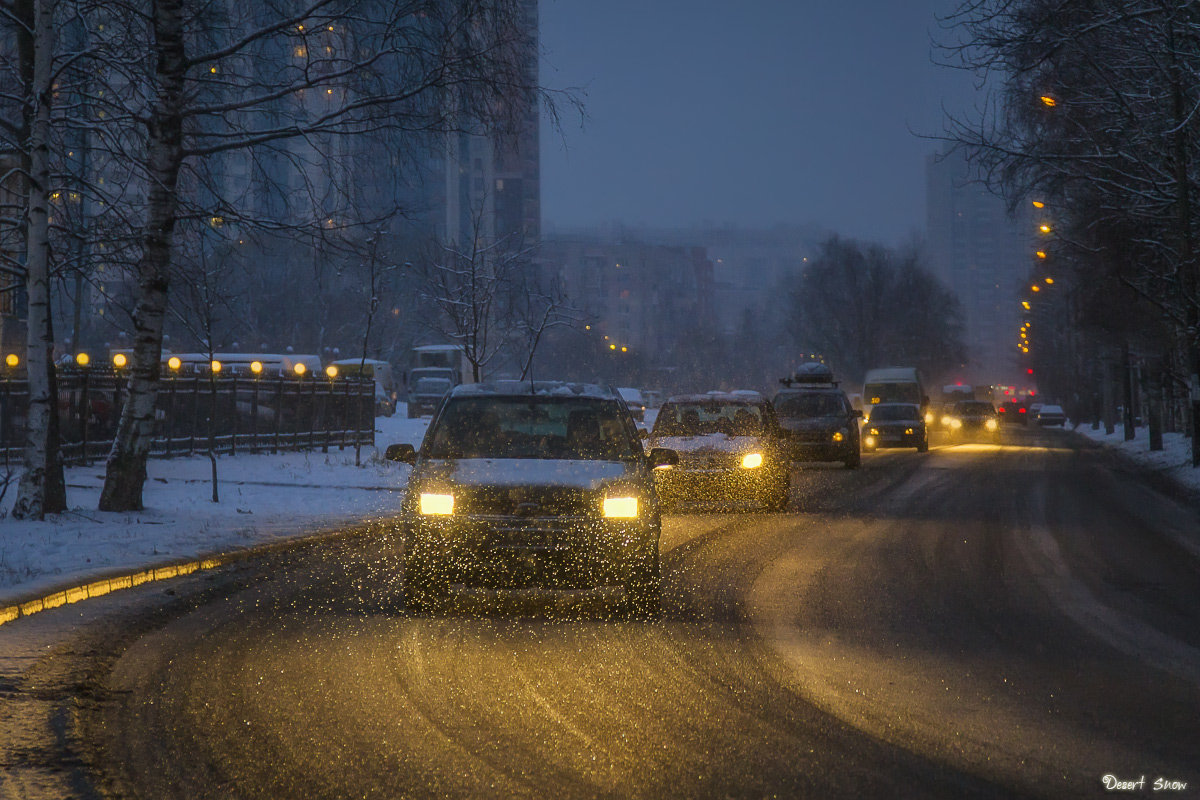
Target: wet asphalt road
979, 621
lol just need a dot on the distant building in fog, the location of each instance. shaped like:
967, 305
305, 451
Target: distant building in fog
984, 256
641, 296
748, 264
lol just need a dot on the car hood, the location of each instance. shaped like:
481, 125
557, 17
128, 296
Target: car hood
569, 473
708, 443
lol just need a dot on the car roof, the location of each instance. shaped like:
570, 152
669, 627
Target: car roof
741, 397
515, 388
810, 388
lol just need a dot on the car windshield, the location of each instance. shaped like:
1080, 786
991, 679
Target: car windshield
533, 427
974, 408
433, 386
816, 404
892, 392
701, 418
898, 412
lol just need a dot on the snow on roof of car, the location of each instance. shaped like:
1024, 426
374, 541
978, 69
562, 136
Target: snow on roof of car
544, 388
738, 396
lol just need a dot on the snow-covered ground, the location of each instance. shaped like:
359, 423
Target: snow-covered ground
263, 498
1174, 461
270, 498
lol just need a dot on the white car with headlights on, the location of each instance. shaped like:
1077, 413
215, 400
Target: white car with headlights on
544, 484
731, 450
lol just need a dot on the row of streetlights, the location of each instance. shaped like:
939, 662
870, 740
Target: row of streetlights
174, 363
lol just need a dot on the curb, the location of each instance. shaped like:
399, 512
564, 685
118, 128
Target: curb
100, 587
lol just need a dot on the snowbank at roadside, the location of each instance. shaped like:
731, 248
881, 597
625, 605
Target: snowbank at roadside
263, 498
1173, 461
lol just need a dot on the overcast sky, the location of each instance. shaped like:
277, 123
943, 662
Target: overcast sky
754, 112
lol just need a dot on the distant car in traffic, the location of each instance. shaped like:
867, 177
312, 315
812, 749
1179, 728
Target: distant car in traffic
1051, 415
731, 450
427, 392
895, 425
1013, 412
543, 484
973, 419
821, 423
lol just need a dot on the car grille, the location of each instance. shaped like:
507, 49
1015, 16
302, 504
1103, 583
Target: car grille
694, 461
811, 437
524, 501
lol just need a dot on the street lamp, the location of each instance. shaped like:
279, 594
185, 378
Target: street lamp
119, 360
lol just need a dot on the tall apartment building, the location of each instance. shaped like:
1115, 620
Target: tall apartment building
492, 182
983, 254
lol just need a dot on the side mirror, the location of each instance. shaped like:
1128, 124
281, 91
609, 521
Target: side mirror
643, 433
663, 457
404, 453
857, 413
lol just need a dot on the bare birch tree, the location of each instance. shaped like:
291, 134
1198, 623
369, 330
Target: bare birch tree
349, 68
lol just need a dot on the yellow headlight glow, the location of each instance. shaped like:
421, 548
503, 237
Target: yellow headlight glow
873, 432
838, 436
751, 460
991, 424
441, 504
928, 417
956, 424
621, 507
908, 431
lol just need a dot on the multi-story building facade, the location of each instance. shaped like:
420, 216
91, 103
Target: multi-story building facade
983, 254
643, 297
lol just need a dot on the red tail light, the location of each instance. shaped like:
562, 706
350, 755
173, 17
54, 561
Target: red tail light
1020, 410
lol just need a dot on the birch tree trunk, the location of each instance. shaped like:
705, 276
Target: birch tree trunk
42, 489
126, 467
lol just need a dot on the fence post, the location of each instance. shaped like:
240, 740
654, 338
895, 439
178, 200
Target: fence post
254, 416
312, 414
234, 425
278, 413
85, 413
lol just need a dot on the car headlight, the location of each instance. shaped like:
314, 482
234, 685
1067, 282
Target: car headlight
956, 424
991, 424
751, 460
869, 441
928, 417
908, 431
947, 422
873, 432
838, 436
621, 507
440, 504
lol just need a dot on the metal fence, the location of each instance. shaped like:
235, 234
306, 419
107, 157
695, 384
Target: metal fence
239, 414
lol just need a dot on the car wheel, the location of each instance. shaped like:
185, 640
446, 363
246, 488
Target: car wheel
778, 496
854, 461
923, 446
421, 589
643, 588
